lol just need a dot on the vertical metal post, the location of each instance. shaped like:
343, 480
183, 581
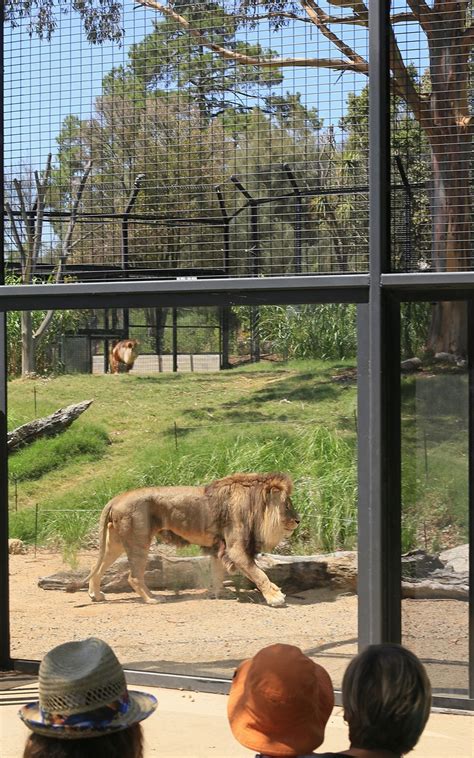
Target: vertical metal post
470, 348
106, 341
175, 339
4, 582
5, 660
225, 311
298, 259
224, 337
380, 470
407, 245
225, 228
125, 240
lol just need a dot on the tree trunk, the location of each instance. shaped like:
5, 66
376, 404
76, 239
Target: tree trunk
47, 426
451, 207
161, 316
28, 364
449, 131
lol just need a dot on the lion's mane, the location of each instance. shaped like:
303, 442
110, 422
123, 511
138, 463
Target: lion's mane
242, 501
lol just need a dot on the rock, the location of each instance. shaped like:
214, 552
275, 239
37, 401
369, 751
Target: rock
410, 365
456, 558
445, 357
441, 585
16, 547
459, 360
418, 564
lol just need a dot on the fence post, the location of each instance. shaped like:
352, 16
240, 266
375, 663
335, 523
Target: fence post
36, 527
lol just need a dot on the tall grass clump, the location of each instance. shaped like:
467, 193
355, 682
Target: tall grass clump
325, 331
45, 455
321, 463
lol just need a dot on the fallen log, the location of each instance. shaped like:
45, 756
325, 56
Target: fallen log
46, 426
337, 571
293, 573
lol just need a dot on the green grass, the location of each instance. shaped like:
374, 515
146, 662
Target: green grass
191, 428
86, 443
434, 459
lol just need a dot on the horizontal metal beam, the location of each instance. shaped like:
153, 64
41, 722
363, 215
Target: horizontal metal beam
454, 283
135, 294
451, 703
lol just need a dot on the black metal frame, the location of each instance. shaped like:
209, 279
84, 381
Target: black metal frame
378, 299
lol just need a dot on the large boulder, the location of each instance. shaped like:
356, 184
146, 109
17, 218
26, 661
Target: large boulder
456, 559
16, 547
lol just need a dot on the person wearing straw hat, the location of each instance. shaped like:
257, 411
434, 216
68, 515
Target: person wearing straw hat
85, 707
280, 702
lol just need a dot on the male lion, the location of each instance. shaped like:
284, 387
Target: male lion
233, 518
122, 355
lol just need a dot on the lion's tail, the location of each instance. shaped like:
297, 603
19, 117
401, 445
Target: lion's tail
104, 520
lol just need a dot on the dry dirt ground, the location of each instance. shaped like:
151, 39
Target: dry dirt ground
193, 634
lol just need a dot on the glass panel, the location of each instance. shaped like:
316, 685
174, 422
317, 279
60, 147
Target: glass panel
288, 404
435, 503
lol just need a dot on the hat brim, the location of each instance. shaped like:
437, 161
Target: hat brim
141, 705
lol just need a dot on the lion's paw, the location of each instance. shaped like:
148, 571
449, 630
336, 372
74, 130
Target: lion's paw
152, 600
276, 599
98, 597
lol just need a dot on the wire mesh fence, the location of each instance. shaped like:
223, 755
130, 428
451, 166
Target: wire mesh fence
229, 138
194, 143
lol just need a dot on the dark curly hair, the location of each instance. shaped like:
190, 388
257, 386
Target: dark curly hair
386, 696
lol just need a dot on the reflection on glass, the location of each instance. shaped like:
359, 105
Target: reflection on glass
435, 520
294, 411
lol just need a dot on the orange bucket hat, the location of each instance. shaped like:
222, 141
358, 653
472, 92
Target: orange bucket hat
280, 702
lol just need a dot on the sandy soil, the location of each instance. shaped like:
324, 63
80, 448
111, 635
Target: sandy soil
191, 633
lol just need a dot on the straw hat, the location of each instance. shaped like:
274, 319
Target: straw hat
83, 693
280, 702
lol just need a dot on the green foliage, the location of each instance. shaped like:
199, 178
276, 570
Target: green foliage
77, 443
171, 57
434, 460
306, 331
101, 18
47, 351
415, 321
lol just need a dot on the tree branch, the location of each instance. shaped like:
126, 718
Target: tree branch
396, 18
423, 13
65, 247
66, 244
320, 19
16, 235
24, 213
248, 60
401, 81
41, 189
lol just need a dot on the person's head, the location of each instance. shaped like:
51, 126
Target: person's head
85, 707
386, 695
280, 702
127, 743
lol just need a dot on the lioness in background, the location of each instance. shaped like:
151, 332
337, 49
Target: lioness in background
235, 518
